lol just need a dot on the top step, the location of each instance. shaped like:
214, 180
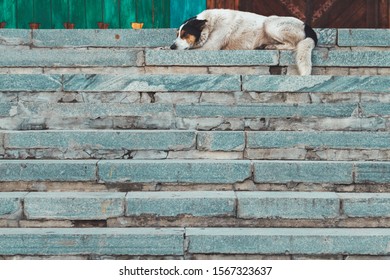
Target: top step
149, 38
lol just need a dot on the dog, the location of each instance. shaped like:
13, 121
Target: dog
223, 29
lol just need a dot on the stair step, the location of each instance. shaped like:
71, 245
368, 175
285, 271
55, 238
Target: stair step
223, 204
189, 241
194, 171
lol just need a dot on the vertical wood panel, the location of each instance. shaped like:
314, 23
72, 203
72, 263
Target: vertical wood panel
24, 13
144, 12
184, 9
111, 13
93, 13
8, 12
161, 13
42, 13
127, 13
77, 13
59, 13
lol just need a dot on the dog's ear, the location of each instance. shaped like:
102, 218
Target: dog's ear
198, 23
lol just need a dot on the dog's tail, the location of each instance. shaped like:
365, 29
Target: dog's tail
304, 51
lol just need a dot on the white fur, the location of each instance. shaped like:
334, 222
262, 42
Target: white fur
236, 30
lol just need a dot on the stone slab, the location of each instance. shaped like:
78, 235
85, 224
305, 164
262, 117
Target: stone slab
87, 241
14, 57
152, 83
171, 204
372, 172
11, 203
211, 58
363, 37
74, 206
106, 139
30, 82
174, 171
312, 241
124, 38
15, 37
288, 205
325, 139
221, 141
47, 170
366, 204
303, 172
327, 84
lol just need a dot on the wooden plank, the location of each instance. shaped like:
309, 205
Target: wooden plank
127, 13
144, 12
59, 13
94, 13
24, 12
161, 13
181, 10
8, 13
223, 4
77, 13
42, 13
111, 13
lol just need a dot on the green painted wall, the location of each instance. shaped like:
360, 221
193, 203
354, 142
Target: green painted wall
52, 14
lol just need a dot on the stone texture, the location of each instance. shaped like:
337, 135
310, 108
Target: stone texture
364, 37
311, 241
366, 204
124, 38
303, 172
221, 141
15, 37
287, 205
326, 36
329, 84
74, 206
372, 172
171, 204
70, 58
152, 83
211, 58
86, 241
47, 170
105, 140
287, 139
174, 171
11, 203
30, 82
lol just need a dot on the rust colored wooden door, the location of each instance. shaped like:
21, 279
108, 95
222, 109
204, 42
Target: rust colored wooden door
319, 13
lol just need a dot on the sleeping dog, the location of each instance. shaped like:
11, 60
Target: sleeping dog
220, 29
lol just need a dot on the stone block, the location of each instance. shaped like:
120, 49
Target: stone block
211, 58
105, 140
288, 205
71, 58
310, 241
15, 37
303, 172
366, 205
74, 206
47, 170
11, 203
221, 141
91, 241
174, 171
372, 172
30, 82
171, 204
363, 37
328, 84
152, 83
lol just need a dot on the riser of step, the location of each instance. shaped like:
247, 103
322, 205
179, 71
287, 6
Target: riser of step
241, 205
165, 37
194, 171
164, 144
180, 241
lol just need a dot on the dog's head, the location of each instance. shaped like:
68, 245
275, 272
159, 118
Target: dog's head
189, 34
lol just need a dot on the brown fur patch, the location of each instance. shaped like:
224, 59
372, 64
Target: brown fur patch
191, 39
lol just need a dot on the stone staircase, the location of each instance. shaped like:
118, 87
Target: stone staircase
112, 149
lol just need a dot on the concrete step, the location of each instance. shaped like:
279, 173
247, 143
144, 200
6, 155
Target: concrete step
195, 171
192, 144
189, 242
88, 206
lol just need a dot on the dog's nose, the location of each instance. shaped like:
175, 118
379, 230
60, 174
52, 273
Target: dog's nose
173, 47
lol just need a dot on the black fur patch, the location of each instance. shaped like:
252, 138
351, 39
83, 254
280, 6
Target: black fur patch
310, 33
193, 27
